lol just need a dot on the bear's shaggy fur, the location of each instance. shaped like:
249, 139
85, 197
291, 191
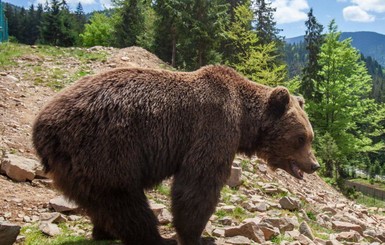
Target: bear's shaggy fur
108, 137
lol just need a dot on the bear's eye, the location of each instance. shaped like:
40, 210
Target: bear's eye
301, 140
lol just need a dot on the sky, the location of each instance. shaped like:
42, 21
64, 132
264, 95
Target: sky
290, 15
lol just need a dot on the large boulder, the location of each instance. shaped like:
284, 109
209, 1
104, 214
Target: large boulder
19, 168
8, 233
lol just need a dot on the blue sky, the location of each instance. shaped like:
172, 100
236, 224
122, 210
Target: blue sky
350, 15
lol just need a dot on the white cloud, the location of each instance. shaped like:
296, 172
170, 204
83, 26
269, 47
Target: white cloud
355, 13
288, 11
377, 6
106, 4
72, 2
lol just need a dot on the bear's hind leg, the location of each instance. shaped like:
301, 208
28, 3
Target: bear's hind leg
128, 217
99, 231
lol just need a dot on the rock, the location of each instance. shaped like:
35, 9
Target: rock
255, 220
345, 226
349, 236
52, 218
62, 204
261, 207
305, 230
218, 232
3, 74
8, 233
225, 220
330, 210
164, 217
19, 168
304, 240
73, 217
235, 177
290, 203
262, 168
228, 208
268, 230
12, 79
249, 230
293, 234
49, 229
320, 241
157, 208
355, 220
288, 224
209, 228
238, 240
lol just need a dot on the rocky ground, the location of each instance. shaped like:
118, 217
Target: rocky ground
257, 206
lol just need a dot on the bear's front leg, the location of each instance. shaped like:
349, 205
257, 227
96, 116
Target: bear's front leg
194, 198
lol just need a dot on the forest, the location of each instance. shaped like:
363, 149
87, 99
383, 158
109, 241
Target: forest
344, 91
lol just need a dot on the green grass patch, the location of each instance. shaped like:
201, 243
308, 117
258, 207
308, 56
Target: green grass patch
221, 213
163, 189
281, 238
370, 201
311, 215
33, 236
376, 184
11, 51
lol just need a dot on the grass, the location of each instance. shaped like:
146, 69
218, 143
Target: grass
56, 77
281, 238
163, 189
377, 184
370, 201
10, 51
33, 236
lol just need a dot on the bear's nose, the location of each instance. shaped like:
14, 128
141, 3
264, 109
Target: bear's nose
315, 166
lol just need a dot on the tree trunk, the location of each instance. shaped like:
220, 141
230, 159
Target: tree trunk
173, 54
329, 168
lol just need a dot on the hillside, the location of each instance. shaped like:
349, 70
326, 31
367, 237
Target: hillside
369, 43
262, 206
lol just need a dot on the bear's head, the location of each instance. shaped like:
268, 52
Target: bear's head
287, 135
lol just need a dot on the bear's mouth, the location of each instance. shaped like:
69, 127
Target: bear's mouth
295, 170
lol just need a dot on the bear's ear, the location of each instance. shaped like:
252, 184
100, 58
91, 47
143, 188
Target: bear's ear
278, 101
301, 101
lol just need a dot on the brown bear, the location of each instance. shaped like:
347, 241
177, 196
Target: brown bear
108, 137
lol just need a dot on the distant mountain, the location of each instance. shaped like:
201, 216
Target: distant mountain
369, 43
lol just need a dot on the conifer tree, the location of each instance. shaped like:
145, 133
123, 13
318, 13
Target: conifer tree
168, 25
313, 41
264, 23
129, 22
80, 19
250, 58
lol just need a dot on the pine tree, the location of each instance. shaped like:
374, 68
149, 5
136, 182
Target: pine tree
51, 28
56, 27
129, 22
203, 20
250, 58
264, 23
31, 30
313, 41
80, 19
344, 109
268, 33
168, 26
